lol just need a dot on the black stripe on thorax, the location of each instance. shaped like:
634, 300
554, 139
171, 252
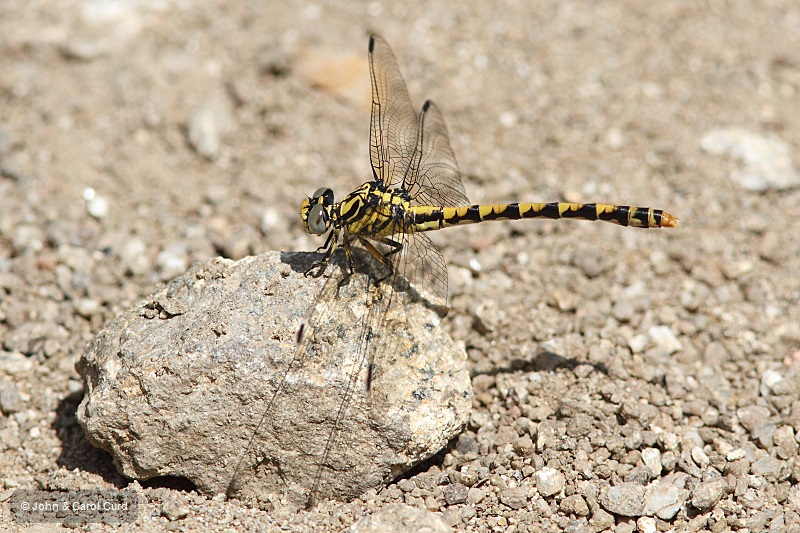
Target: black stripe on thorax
355, 212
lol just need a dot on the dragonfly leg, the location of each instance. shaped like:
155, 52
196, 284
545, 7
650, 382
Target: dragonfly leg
322, 264
393, 244
350, 265
327, 243
382, 258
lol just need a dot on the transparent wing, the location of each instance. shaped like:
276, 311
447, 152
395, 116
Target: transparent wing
405, 150
435, 181
393, 127
423, 266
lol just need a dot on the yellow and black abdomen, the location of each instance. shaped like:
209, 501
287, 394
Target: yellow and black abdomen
428, 218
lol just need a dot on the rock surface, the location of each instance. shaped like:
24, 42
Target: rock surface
206, 380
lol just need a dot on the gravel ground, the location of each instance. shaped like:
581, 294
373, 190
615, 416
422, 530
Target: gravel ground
624, 380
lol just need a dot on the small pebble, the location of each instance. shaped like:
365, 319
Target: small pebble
766, 160
699, 457
736, 455
752, 416
663, 499
455, 493
602, 520
206, 126
475, 495
651, 457
172, 262
646, 524
708, 493
638, 343
625, 499
785, 442
87, 307
516, 497
666, 343
767, 466
396, 518
574, 504
549, 481
10, 399
96, 205
769, 380
133, 256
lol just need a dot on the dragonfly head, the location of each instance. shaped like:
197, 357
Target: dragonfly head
316, 211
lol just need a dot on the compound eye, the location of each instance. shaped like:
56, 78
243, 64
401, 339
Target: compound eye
317, 219
322, 191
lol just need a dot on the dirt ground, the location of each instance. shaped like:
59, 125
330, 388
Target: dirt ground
139, 137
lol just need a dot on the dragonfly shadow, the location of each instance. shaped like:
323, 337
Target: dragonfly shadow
303, 262
542, 361
366, 265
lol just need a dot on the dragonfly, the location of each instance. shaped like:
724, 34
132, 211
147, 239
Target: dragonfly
416, 188
381, 229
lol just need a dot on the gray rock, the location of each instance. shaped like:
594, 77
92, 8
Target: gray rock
455, 493
766, 160
206, 126
752, 416
651, 457
785, 442
763, 434
625, 499
549, 481
574, 504
767, 466
665, 497
401, 519
515, 497
205, 380
10, 399
708, 493
580, 525
467, 444
601, 520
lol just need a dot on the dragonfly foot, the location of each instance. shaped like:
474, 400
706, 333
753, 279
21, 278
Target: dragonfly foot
319, 267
